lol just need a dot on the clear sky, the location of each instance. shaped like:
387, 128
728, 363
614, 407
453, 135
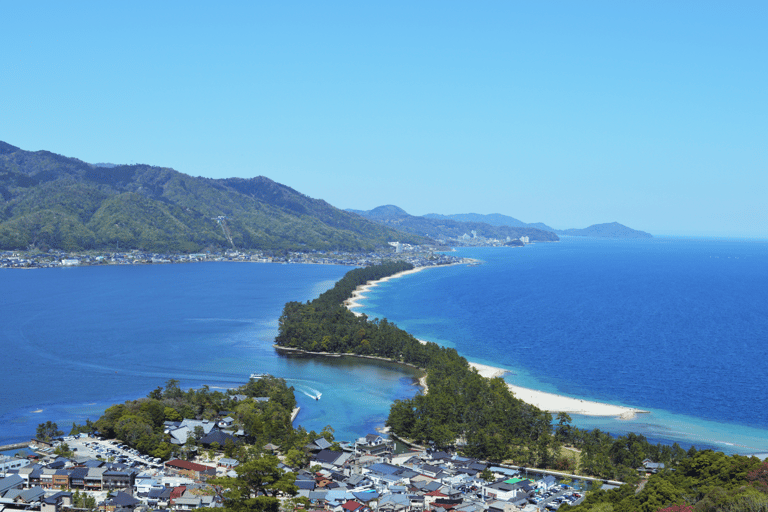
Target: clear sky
652, 114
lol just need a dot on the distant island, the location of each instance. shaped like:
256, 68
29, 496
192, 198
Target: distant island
606, 230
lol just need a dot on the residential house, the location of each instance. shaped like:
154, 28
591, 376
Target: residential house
501, 506
503, 490
77, 477
56, 502
318, 445
190, 469
228, 463
351, 506
394, 503
124, 480
121, 500
12, 463
11, 482
30, 496
373, 444
93, 479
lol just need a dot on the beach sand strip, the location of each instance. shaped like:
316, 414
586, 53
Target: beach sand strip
549, 402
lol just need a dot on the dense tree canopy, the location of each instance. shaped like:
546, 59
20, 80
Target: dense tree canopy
47, 431
139, 423
707, 481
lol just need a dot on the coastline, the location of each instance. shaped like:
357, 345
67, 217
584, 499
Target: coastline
549, 402
359, 293
553, 403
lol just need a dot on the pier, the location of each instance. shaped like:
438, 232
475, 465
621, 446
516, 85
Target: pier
15, 446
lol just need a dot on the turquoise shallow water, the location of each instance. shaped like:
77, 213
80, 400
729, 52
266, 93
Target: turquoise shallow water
74, 341
674, 326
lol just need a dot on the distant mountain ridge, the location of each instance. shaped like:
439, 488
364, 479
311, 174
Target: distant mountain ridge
52, 201
606, 230
444, 228
494, 219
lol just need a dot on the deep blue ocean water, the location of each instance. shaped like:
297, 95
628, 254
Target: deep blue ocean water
74, 341
678, 327
675, 326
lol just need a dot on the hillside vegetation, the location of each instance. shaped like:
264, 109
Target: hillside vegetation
51, 201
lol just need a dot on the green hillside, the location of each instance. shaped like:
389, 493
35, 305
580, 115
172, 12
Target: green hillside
49, 201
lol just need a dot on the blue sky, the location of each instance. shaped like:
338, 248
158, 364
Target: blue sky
652, 114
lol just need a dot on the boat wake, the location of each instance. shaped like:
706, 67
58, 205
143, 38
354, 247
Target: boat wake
310, 392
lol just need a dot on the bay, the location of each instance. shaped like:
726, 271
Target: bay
74, 341
674, 326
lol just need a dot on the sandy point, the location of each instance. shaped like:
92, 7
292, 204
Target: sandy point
553, 403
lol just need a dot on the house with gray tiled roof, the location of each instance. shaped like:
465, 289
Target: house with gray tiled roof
318, 444
11, 482
29, 496
501, 506
394, 503
77, 477
56, 502
93, 479
217, 436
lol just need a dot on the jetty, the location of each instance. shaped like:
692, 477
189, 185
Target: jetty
14, 446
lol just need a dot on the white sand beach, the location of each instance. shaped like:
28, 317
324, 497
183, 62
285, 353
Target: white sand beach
360, 291
558, 403
545, 401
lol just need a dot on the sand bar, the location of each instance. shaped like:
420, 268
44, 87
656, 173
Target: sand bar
545, 401
558, 403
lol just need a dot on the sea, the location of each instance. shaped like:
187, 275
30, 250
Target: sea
674, 326
76, 340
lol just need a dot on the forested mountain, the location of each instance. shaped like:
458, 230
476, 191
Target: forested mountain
51, 201
443, 228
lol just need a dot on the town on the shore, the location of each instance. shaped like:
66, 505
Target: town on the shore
415, 255
361, 476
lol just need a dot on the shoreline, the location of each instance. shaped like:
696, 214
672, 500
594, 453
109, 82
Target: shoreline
545, 401
554, 403
359, 292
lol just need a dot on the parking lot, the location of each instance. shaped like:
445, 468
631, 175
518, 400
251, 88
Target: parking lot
110, 450
553, 498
